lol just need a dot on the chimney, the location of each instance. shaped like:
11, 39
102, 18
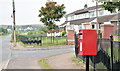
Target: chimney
85, 6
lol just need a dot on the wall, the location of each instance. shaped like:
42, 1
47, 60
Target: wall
107, 30
70, 37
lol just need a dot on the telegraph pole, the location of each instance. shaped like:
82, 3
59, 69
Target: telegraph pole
97, 17
14, 32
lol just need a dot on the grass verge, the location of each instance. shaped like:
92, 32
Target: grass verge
116, 38
2, 36
78, 62
44, 64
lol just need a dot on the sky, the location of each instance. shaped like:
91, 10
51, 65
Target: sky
27, 10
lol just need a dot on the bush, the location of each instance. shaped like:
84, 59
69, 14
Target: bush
63, 33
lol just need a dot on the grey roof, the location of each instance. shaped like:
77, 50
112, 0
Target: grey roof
116, 17
76, 22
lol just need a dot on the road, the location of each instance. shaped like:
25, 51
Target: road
27, 59
5, 51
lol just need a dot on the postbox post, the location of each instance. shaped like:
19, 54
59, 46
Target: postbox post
111, 42
87, 62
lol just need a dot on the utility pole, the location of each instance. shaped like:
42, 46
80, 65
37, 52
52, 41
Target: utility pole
97, 17
14, 32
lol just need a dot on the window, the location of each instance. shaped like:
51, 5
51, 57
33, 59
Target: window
101, 12
80, 15
93, 26
80, 27
99, 25
86, 14
72, 17
92, 14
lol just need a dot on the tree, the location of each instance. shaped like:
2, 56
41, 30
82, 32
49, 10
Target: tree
50, 14
111, 6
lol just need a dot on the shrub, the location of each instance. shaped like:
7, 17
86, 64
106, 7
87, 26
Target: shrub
63, 33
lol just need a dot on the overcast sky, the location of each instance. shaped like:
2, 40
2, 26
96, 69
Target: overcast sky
27, 10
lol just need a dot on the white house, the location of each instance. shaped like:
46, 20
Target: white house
86, 19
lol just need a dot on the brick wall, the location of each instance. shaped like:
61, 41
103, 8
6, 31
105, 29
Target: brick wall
107, 30
70, 37
115, 26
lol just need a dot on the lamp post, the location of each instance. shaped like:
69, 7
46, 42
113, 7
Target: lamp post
14, 32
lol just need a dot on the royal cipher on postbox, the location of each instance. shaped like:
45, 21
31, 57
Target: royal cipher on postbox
87, 42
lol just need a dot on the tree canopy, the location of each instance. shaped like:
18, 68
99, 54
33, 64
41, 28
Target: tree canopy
51, 13
111, 6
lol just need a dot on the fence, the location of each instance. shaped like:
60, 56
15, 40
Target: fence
43, 40
103, 58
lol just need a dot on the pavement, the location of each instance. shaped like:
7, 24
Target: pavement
64, 61
19, 47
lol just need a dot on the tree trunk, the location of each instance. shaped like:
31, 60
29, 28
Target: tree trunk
51, 37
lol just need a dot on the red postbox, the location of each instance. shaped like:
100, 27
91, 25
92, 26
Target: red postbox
87, 42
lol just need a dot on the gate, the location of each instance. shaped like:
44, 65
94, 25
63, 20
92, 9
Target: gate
103, 59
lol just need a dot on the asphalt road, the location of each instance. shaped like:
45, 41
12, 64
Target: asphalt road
5, 51
26, 59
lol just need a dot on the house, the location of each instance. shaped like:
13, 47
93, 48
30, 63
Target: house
55, 33
86, 19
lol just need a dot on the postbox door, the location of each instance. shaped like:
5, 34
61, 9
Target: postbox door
80, 43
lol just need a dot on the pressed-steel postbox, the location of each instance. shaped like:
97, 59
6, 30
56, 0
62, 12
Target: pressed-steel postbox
87, 42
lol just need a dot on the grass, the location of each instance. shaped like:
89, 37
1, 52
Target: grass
77, 60
44, 64
46, 41
2, 36
115, 52
116, 38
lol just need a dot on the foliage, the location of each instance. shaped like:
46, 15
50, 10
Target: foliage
63, 33
111, 6
50, 14
3, 31
44, 29
17, 37
30, 33
116, 38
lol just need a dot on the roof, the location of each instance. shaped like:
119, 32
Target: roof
84, 10
76, 22
64, 23
116, 17
105, 18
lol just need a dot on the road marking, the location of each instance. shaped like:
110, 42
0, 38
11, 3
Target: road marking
5, 64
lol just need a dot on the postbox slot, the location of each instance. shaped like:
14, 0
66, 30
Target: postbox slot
80, 33
80, 46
